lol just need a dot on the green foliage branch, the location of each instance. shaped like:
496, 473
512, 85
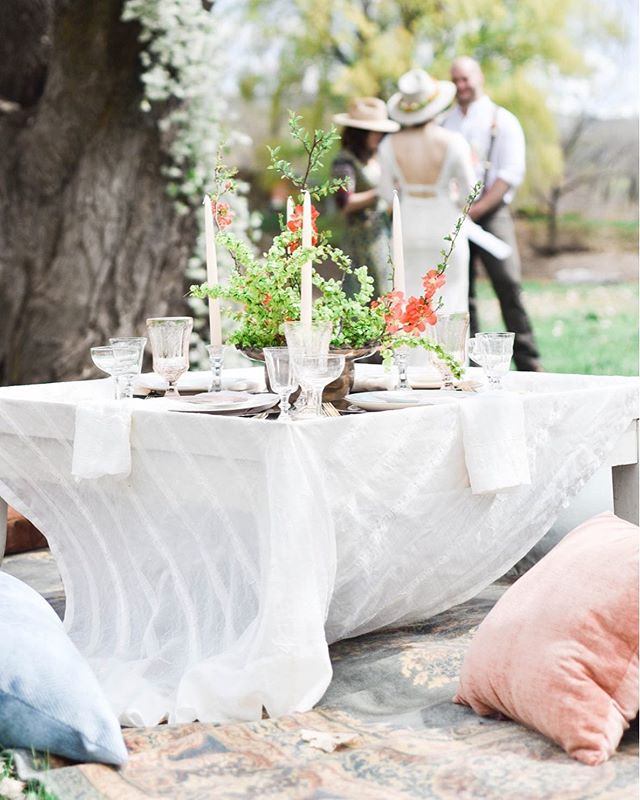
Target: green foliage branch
265, 292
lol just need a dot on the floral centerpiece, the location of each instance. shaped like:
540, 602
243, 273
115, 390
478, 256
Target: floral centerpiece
266, 291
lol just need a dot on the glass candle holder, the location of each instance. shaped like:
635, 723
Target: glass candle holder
216, 359
400, 358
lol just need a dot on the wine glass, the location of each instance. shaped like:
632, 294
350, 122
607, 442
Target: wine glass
169, 337
306, 340
128, 378
493, 352
450, 332
316, 372
115, 360
281, 376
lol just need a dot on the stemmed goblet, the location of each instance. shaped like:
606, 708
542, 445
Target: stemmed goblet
116, 361
281, 376
316, 372
306, 340
169, 337
492, 351
128, 378
450, 333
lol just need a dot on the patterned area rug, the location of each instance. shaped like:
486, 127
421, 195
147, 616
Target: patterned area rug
392, 693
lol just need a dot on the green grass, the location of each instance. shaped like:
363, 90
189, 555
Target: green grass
581, 328
32, 790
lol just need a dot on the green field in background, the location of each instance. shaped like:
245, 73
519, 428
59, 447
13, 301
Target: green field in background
583, 328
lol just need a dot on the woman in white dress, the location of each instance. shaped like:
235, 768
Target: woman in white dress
432, 170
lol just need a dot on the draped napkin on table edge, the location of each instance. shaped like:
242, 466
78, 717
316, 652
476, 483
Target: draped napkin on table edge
101, 443
495, 442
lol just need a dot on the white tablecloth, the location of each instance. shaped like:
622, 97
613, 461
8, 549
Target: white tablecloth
208, 583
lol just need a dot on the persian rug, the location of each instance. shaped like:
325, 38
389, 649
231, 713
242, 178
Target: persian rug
390, 698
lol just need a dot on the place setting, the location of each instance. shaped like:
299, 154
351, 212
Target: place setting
491, 351
300, 371
326, 457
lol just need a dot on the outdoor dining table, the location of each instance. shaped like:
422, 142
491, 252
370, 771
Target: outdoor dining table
208, 583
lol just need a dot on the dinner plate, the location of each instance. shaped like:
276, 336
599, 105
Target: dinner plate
386, 401
200, 405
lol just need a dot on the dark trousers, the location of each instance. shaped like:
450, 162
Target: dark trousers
505, 278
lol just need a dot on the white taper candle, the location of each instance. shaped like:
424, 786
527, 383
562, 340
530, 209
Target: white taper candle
289, 208
215, 326
397, 251
305, 280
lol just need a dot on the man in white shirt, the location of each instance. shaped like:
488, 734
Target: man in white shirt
498, 151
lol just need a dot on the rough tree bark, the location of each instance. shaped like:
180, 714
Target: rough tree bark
90, 244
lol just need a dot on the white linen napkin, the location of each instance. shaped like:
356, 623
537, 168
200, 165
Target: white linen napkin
101, 440
495, 444
199, 382
375, 379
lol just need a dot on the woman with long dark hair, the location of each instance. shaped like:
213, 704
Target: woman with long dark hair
367, 235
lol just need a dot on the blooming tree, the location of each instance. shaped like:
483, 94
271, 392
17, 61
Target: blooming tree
183, 52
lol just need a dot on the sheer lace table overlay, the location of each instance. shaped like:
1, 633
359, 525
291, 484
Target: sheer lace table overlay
207, 583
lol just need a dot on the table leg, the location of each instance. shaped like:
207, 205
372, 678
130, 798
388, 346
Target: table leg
626, 480
3, 527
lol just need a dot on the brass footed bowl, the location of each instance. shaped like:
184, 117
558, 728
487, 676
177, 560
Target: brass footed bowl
336, 390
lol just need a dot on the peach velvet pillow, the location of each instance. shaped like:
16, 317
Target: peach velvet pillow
559, 651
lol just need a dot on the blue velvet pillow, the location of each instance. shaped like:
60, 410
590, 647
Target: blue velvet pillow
49, 697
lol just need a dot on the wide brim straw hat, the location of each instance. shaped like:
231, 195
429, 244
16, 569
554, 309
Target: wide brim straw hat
420, 98
369, 114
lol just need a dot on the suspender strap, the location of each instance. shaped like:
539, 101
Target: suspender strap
492, 141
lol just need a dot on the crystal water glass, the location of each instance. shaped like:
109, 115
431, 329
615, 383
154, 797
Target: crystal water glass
316, 372
127, 380
306, 340
493, 352
450, 333
310, 340
169, 337
116, 361
281, 376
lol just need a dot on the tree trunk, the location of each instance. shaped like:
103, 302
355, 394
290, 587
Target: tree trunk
90, 243
552, 220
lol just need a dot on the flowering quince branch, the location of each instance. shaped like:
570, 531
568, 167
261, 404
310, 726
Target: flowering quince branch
224, 182
451, 237
266, 290
406, 320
